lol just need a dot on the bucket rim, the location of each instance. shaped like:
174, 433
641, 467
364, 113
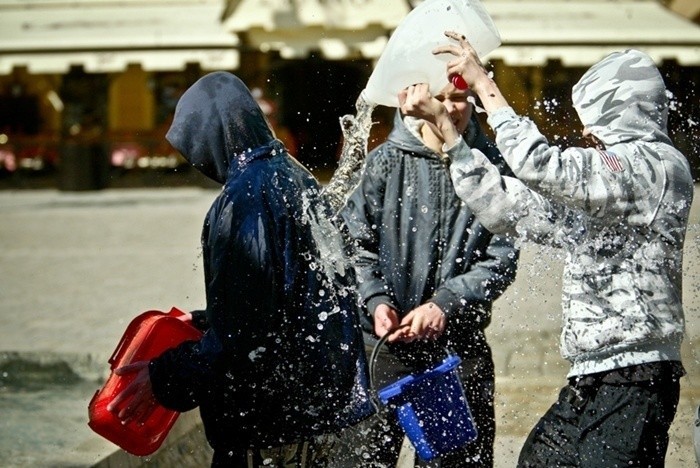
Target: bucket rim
444, 367
373, 393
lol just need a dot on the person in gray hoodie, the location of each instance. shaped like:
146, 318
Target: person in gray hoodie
422, 259
620, 209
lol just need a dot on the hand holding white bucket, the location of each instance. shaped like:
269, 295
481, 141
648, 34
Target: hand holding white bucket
408, 58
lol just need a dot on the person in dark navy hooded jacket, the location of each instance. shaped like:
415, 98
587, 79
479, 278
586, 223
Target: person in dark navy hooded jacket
282, 366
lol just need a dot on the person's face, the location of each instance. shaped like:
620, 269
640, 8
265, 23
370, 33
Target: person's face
459, 109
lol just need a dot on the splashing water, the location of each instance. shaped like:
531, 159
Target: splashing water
477, 107
355, 136
328, 240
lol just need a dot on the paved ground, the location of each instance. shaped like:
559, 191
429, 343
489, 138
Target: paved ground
75, 268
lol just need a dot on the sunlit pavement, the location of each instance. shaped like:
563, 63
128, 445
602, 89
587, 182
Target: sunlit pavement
76, 267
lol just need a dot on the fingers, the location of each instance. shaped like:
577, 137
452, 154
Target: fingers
398, 335
463, 49
381, 329
427, 322
136, 400
418, 324
461, 38
417, 101
122, 396
138, 409
130, 368
382, 326
402, 97
415, 93
385, 318
448, 49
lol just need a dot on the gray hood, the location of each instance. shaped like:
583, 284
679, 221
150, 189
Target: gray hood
623, 98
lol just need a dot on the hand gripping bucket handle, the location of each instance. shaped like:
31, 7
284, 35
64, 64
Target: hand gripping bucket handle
373, 361
430, 406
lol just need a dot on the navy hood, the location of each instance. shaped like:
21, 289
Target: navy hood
216, 121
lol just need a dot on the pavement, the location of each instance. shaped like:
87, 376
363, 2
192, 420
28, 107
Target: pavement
76, 267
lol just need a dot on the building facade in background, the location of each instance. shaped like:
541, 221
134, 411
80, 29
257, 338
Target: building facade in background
87, 86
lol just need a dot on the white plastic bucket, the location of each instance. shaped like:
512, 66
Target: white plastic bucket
408, 59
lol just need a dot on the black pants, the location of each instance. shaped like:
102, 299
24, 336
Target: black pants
605, 425
313, 453
377, 441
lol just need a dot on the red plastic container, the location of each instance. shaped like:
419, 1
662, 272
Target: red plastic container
146, 337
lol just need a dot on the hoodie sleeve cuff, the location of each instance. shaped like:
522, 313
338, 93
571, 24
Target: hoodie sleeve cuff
373, 302
162, 373
500, 116
446, 301
457, 151
449, 149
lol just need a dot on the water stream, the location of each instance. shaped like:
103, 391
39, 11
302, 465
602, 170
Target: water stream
355, 136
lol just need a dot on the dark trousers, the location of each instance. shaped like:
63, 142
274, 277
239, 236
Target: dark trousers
605, 425
377, 441
313, 453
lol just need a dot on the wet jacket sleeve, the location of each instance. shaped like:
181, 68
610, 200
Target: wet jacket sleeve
240, 308
469, 296
505, 206
362, 220
179, 376
579, 178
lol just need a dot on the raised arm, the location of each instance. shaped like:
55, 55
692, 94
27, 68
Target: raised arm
503, 204
584, 179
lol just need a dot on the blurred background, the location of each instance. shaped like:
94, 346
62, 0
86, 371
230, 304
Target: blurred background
88, 88
87, 92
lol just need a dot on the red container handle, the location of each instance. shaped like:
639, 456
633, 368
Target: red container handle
127, 338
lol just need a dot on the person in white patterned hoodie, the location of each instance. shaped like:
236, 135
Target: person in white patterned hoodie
620, 210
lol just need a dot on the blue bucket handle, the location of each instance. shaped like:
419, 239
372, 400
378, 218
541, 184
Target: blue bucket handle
372, 362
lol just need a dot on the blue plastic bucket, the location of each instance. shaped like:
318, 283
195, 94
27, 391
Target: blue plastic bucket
432, 409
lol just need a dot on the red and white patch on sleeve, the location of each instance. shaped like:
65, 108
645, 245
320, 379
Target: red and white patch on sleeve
611, 161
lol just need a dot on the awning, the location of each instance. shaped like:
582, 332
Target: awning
119, 60
339, 29
576, 32
687, 8
48, 36
581, 32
